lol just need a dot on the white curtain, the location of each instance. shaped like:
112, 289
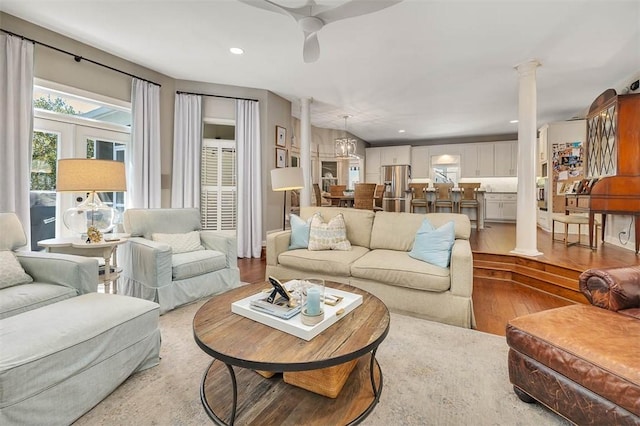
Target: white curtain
187, 147
16, 126
249, 178
143, 171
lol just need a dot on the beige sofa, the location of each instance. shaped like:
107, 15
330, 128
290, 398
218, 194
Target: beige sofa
379, 263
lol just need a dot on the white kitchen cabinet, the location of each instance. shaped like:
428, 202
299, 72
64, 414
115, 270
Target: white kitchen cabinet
506, 158
372, 161
372, 178
500, 206
542, 143
477, 160
420, 162
391, 155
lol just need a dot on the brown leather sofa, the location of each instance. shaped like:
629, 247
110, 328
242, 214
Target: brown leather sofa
583, 361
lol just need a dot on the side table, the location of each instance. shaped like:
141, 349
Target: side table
105, 249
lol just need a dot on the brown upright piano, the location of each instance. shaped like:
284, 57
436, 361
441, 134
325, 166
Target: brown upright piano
613, 156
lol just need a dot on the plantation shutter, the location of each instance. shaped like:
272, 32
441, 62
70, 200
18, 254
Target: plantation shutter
218, 192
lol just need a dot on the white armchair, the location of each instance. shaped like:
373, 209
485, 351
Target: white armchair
161, 272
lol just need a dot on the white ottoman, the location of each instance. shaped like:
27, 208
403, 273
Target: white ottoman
60, 360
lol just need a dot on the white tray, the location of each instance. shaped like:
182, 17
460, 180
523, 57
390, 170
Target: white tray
294, 325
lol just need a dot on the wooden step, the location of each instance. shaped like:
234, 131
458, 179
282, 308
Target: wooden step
552, 279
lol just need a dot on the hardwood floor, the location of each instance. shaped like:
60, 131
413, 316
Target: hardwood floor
497, 300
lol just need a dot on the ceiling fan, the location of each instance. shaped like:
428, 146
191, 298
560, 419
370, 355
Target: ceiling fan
312, 18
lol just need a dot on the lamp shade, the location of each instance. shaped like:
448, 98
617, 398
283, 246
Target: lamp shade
287, 179
82, 174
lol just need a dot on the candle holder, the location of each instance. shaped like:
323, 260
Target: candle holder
313, 301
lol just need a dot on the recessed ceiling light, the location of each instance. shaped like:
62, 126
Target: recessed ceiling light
401, 131
236, 51
513, 121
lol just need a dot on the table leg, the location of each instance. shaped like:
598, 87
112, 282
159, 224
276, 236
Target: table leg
205, 404
114, 282
637, 233
107, 274
591, 230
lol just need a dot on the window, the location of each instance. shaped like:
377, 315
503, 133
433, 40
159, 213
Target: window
219, 187
329, 175
71, 123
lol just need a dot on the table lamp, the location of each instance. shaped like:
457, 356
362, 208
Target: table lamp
92, 216
286, 179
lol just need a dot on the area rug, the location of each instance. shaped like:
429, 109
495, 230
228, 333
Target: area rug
434, 374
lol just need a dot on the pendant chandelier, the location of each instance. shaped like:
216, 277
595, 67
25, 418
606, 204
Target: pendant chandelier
345, 146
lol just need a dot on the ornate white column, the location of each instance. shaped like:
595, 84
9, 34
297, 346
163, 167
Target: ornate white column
305, 150
526, 222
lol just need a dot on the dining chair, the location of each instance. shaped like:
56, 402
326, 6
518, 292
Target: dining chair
295, 202
320, 201
337, 191
363, 196
469, 199
377, 197
443, 196
418, 196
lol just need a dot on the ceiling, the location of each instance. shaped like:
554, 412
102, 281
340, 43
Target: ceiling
434, 68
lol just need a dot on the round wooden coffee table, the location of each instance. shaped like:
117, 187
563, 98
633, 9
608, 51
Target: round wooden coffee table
242, 396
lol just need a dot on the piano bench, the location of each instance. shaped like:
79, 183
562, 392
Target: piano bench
570, 219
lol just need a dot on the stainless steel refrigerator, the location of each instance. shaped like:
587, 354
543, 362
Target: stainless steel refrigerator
396, 181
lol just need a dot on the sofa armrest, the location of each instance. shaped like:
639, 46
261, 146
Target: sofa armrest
277, 242
222, 242
461, 268
614, 289
146, 262
67, 270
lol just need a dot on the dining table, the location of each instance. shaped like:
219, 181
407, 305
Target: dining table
343, 200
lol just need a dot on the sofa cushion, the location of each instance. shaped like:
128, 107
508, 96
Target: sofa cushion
322, 262
25, 297
144, 222
397, 268
358, 222
433, 245
11, 272
191, 264
299, 232
330, 235
395, 231
180, 243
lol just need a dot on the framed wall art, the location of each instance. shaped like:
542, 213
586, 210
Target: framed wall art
281, 157
281, 136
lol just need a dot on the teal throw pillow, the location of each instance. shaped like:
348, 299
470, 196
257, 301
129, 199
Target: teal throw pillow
434, 245
299, 232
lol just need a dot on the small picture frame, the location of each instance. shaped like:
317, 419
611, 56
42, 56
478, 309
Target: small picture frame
281, 157
281, 136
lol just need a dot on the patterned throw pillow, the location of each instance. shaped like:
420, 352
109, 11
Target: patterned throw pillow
11, 272
328, 236
180, 243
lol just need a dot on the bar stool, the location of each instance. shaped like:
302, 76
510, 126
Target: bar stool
418, 196
443, 196
469, 199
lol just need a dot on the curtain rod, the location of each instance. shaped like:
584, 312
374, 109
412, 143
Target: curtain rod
215, 96
78, 58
